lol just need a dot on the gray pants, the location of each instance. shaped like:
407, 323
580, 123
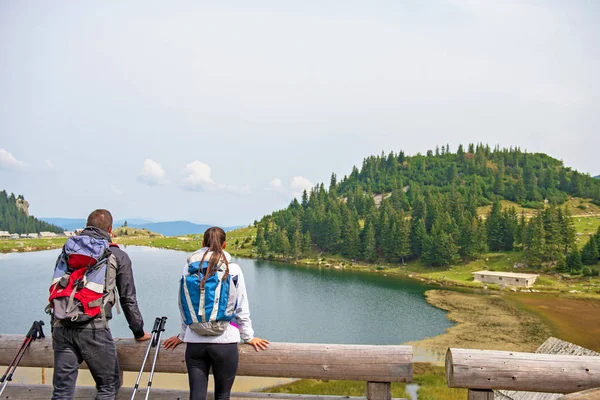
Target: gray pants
94, 346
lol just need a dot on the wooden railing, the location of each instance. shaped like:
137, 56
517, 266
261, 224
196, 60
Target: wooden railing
481, 371
378, 366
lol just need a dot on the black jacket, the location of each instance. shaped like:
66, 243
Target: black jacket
125, 285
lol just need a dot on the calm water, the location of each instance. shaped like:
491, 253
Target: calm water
287, 303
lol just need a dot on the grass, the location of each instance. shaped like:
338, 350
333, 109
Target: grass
21, 245
577, 206
332, 388
431, 380
432, 383
239, 242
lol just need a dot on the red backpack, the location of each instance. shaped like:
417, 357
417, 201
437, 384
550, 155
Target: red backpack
83, 282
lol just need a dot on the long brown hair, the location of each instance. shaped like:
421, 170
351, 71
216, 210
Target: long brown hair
214, 239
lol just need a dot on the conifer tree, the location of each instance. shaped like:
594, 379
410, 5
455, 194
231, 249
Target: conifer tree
306, 243
589, 253
534, 244
261, 246
369, 249
494, 223
574, 264
418, 236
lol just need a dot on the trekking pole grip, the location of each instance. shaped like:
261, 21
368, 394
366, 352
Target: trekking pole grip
39, 331
163, 322
156, 324
32, 330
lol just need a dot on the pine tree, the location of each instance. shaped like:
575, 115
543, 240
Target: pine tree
261, 245
494, 223
369, 249
285, 243
468, 238
589, 253
534, 244
296, 245
306, 243
573, 263
350, 236
417, 237
125, 224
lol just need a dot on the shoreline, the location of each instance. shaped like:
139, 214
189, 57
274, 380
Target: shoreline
531, 305
458, 276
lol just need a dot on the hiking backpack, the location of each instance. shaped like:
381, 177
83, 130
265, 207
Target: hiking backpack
208, 310
83, 282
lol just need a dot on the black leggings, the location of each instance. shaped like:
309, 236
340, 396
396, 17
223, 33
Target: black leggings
223, 358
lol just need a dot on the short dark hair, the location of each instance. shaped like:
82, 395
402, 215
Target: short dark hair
101, 219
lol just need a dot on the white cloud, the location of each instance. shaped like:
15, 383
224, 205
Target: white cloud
299, 184
153, 173
116, 190
49, 164
198, 177
276, 183
8, 161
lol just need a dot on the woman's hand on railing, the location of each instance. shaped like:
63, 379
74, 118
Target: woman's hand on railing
172, 342
258, 343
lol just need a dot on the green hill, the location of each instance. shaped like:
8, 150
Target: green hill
15, 218
398, 207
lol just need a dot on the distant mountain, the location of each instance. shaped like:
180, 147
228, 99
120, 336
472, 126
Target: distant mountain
176, 228
68, 224
167, 228
597, 177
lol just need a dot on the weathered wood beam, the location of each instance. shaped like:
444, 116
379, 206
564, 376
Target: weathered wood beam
39, 392
379, 391
486, 369
281, 360
476, 394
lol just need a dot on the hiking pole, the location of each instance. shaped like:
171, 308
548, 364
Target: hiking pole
150, 344
27, 336
156, 344
35, 332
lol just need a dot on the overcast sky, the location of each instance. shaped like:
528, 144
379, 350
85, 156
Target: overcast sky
220, 112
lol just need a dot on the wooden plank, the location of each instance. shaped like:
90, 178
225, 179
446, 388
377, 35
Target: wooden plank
281, 360
592, 394
44, 392
551, 346
485, 369
379, 390
476, 394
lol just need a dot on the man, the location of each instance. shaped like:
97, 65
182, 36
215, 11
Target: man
93, 342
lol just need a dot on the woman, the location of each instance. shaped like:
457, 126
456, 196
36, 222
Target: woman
212, 328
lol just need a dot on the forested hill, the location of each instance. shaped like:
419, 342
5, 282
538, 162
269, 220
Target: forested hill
397, 207
15, 218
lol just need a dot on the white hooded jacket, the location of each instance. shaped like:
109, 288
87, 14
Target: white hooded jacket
240, 327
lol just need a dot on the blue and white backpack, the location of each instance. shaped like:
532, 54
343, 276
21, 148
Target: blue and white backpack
208, 310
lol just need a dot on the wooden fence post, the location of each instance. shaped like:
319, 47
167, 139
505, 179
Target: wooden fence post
475, 394
379, 390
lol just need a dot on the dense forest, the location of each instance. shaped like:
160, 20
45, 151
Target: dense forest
399, 207
14, 220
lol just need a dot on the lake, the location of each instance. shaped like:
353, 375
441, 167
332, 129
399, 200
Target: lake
288, 303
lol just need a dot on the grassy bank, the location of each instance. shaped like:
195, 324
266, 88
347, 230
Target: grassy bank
24, 245
431, 380
484, 321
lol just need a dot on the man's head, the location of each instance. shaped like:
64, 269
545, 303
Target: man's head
101, 219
